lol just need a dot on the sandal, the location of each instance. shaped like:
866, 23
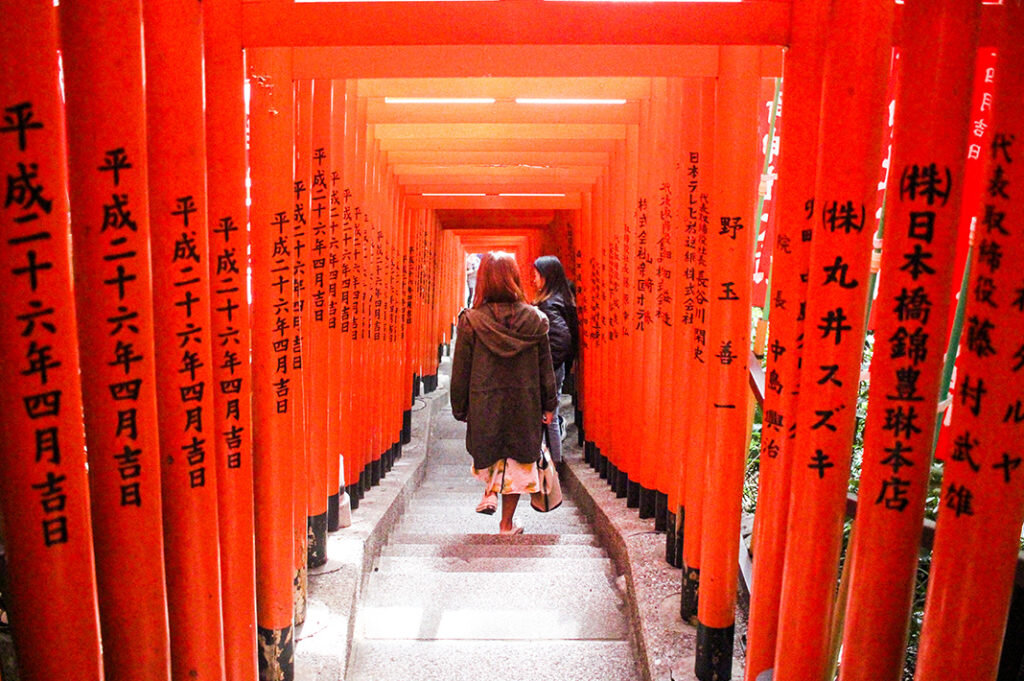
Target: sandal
516, 529
488, 505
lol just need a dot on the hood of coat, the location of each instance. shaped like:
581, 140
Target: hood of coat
508, 329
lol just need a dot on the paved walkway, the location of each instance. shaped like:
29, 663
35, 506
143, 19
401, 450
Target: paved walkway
449, 599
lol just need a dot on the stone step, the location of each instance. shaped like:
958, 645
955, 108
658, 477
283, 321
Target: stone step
445, 508
475, 660
532, 522
447, 540
490, 606
448, 429
470, 552
494, 564
447, 493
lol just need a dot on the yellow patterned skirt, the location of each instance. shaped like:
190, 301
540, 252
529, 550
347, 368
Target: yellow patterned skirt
509, 476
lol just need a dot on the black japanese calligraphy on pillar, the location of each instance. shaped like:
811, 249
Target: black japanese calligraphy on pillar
28, 203
228, 277
665, 284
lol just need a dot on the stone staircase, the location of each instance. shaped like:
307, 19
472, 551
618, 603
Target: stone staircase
450, 599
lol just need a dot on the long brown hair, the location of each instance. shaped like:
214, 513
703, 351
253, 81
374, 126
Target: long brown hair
551, 271
497, 280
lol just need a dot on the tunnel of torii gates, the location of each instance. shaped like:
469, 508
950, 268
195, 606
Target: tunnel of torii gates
222, 432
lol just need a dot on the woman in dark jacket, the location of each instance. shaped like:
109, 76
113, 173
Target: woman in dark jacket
503, 386
555, 300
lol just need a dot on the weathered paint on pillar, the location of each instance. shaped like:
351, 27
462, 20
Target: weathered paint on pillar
982, 503
849, 153
184, 362
44, 493
730, 245
916, 290
231, 330
107, 170
790, 252
270, 154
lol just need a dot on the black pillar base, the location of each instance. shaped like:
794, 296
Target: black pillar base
632, 494
375, 471
415, 385
364, 482
621, 484
440, 352
398, 451
588, 453
602, 463
276, 653
334, 513
407, 426
613, 474
647, 502
691, 594
670, 537
680, 526
353, 496
714, 653
316, 540
660, 512
581, 436
1010, 662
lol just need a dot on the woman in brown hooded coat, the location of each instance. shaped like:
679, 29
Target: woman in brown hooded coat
503, 385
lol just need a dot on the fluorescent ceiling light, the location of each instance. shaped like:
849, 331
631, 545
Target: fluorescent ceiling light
539, 100
439, 100
444, 194
531, 194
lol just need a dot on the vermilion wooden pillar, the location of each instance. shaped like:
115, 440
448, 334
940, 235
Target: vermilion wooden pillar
270, 154
337, 498
795, 206
849, 153
318, 281
669, 221
686, 211
231, 330
184, 361
915, 293
349, 299
695, 315
730, 244
300, 241
646, 321
107, 170
44, 493
982, 504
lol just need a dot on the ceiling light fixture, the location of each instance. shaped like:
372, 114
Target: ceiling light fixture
547, 100
439, 100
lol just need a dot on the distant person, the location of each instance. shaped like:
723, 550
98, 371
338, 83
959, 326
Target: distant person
472, 265
556, 301
503, 386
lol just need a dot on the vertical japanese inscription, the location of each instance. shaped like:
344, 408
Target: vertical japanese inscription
28, 204
228, 287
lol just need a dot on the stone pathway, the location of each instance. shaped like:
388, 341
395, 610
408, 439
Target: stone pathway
450, 599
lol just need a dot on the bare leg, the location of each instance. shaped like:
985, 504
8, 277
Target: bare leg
508, 509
